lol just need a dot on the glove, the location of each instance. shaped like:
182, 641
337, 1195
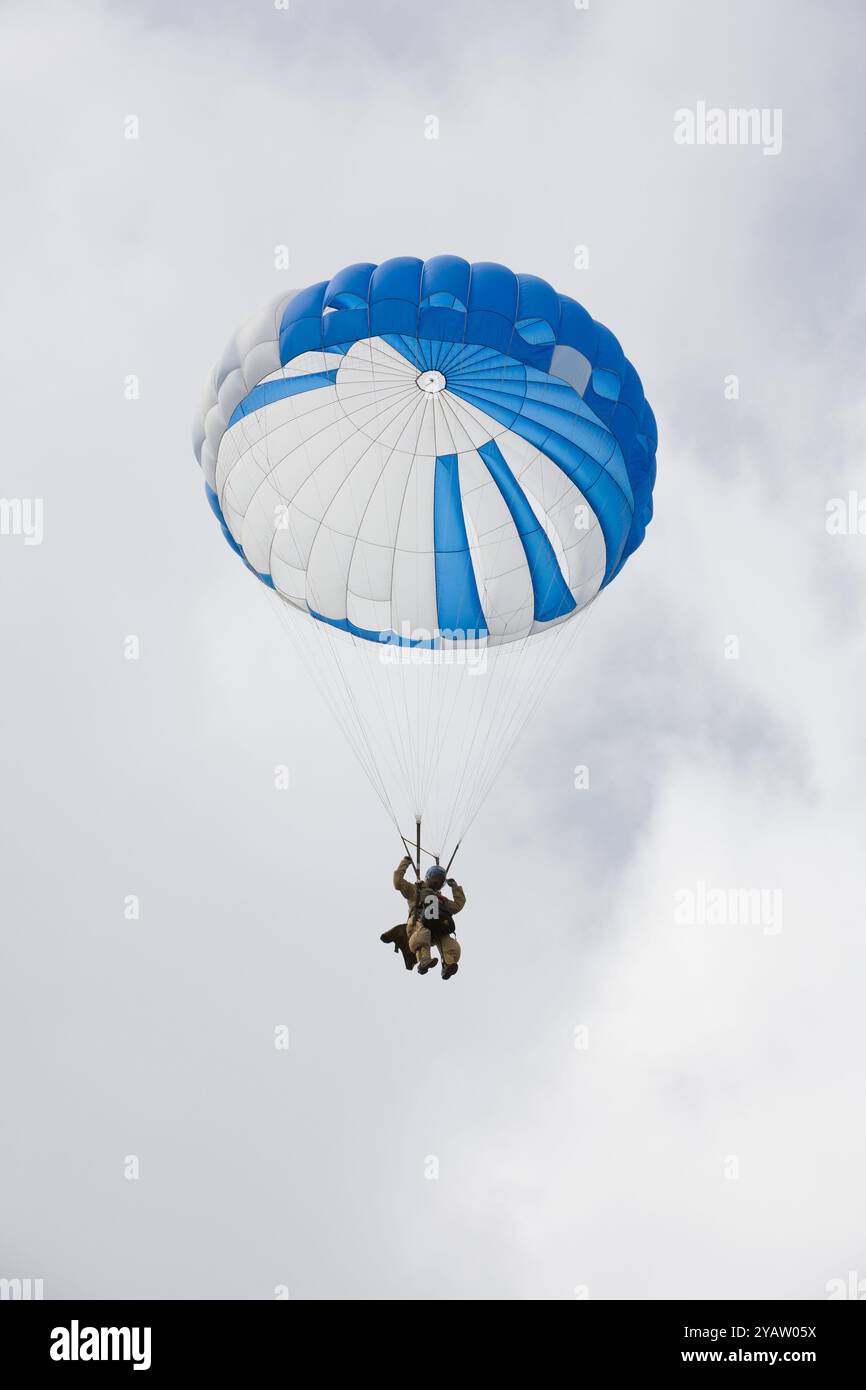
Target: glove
452, 883
405, 861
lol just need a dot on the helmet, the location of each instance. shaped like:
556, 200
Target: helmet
435, 876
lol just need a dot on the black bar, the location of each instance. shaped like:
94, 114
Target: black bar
214, 1339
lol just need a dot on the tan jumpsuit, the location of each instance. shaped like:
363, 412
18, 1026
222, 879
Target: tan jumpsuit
432, 925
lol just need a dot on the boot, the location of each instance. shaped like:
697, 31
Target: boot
426, 963
449, 970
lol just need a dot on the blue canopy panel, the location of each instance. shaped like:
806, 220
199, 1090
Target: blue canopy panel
269, 391
458, 606
552, 598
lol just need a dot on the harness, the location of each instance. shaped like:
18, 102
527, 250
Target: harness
442, 921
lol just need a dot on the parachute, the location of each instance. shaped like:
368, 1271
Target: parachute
436, 468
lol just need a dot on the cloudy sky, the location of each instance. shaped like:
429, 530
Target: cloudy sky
622, 1098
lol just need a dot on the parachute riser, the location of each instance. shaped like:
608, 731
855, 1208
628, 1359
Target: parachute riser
451, 860
419, 849
408, 849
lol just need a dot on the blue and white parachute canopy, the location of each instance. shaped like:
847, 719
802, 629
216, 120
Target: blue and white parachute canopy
426, 449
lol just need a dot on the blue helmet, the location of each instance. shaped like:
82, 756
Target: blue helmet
435, 876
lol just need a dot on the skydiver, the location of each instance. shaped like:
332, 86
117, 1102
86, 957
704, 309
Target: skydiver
430, 920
